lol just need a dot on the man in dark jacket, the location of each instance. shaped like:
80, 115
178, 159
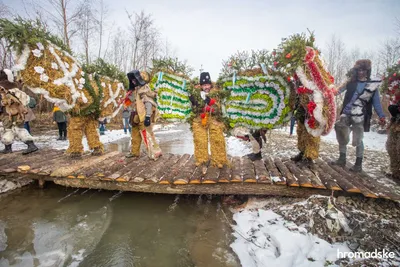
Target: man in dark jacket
361, 95
60, 118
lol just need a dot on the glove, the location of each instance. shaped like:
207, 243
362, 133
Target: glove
147, 121
382, 121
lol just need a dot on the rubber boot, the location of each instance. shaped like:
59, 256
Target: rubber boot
298, 157
357, 166
254, 157
341, 161
7, 149
31, 148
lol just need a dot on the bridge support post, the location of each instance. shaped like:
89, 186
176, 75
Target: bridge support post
41, 183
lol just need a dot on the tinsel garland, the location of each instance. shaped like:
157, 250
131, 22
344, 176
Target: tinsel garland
172, 97
322, 94
256, 101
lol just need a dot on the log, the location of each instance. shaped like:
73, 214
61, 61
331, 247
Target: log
143, 164
326, 179
225, 172
298, 174
64, 161
186, 173
149, 175
379, 189
273, 171
261, 172
12, 166
194, 189
316, 183
197, 176
162, 172
7, 158
236, 175
71, 169
337, 177
52, 163
120, 175
289, 177
211, 176
353, 180
176, 168
249, 174
34, 163
111, 165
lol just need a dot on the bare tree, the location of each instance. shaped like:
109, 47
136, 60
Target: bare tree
389, 53
145, 40
64, 14
337, 59
102, 15
86, 25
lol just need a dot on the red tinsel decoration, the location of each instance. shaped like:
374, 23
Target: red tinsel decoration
311, 123
311, 106
303, 90
275, 63
288, 56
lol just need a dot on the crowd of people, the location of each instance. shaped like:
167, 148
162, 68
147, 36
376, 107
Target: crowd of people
140, 111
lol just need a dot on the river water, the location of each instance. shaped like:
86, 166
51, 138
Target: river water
61, 226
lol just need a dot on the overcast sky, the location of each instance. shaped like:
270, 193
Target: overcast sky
208, 31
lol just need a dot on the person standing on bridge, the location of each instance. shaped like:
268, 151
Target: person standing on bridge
207, 125
141, 100
361, 95
14, 102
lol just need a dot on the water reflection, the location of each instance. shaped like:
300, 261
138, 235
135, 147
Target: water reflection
102, 228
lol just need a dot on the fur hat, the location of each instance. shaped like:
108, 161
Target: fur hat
363, 64
137, 78
205, 78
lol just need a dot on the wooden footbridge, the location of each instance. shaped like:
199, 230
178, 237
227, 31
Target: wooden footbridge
178, 174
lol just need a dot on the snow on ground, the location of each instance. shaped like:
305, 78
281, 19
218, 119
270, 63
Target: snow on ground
236, 147
372, 140
51, 141
264, 238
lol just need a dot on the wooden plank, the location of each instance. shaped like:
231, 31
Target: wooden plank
316, 182
379, 189
197, 176
261, 172
326, 178
186, 173
211, 176
353, 179
248, 172
273, 171
46, 170
35, 166
41, 160
337, 177
225, 172
134, 175
162, 172
236, 174
291, 180
176, 168
99, 167
65, 171
125, 173
7, 158
298, 174
109, 166
12, 166
149, 176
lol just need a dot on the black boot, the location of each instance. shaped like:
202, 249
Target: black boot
341, 160
254, 157
298, 157
357, 166
7, 149
31, 148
